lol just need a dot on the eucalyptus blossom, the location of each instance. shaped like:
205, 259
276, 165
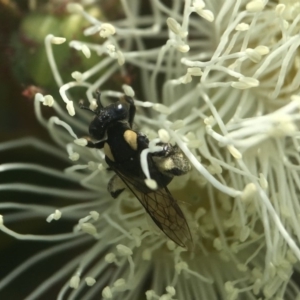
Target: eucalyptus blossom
223, 85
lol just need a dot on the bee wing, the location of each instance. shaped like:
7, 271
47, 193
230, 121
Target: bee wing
163, 209
167, 215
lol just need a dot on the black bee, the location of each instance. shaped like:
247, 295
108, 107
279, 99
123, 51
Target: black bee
112, 128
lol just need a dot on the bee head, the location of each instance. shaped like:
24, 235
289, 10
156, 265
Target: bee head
106, 117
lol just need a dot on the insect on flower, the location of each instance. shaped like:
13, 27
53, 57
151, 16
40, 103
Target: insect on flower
112, 130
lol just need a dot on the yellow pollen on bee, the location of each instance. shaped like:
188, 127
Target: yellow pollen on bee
131, 138
107, 152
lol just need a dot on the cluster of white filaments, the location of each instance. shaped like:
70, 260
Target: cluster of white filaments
229, 99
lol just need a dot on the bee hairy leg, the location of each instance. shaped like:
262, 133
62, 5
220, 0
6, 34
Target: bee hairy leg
97, 145
171, 161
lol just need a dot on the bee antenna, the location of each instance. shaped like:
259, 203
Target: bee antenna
86, 108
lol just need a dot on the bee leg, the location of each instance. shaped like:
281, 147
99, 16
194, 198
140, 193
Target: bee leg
142, 141
167, 150
98, 99
115, 186
97, 145
171, 161
131, 114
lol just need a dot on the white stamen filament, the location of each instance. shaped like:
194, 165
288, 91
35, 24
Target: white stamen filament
221, 81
